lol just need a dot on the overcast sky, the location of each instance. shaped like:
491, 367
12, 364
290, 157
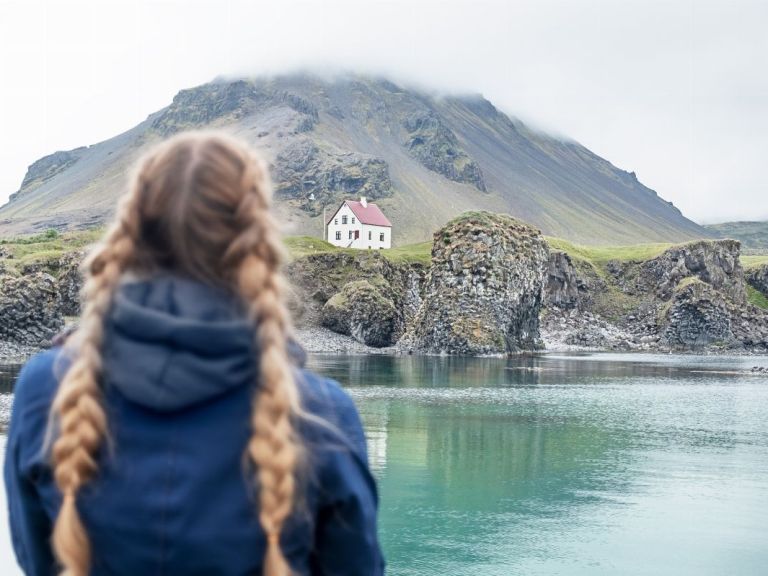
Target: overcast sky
676, 91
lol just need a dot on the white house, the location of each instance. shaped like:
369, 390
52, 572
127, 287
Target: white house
359, 225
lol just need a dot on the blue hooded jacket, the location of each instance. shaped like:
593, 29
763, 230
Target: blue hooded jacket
174, 494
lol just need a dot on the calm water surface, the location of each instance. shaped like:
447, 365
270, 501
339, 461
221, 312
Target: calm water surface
601, 464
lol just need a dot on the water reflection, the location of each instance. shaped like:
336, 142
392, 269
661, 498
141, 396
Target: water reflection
8, 374
557, 464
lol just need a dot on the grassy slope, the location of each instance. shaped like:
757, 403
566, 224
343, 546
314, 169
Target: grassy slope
599, 256
42, 247
753, 261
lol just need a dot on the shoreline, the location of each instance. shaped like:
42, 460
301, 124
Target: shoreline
322, 341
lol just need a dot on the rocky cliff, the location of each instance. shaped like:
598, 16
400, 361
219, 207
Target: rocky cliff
484, 288
757, 277
492, 285
689, 297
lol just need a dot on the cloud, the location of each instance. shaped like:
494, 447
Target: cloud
672, 90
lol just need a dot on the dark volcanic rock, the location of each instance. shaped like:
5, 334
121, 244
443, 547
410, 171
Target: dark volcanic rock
69, 283
361, 310
698, 317
317, 278
435, 145
29, 309
715, 262
758, 278
562, 288
483, 291
303, 168
203, 105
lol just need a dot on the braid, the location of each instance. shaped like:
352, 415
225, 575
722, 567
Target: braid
77, 406
273, 448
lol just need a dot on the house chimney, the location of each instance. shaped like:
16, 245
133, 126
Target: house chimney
363, 201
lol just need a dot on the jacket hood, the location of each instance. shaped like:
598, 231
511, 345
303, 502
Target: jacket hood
171, 343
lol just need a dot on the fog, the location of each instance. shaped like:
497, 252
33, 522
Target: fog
675, 91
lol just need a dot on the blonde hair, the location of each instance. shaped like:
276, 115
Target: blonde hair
199, 206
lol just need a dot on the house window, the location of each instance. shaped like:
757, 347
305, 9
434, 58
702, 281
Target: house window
343, 219
350, 234
369, 234
336, 221
338, 235
353, 219
381, 237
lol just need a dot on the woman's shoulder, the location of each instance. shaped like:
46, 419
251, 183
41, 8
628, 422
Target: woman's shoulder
324, 398
38, 381
33, 394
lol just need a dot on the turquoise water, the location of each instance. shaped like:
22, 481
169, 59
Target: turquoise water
563, 465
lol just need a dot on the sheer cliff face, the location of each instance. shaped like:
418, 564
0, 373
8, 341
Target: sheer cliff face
483, 291
424, 159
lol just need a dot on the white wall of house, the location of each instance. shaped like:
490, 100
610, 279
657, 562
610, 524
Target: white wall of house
346, 231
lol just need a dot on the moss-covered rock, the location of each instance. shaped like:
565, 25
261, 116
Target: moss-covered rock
715, 262
483, 291
361, 310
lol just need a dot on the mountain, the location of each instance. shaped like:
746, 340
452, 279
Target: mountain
753, 235
422, 158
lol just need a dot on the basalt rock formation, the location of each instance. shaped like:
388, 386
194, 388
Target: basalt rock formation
493, 286
698, 317
29, 309
363, 295
690, 297
757, 277
484, 288
714, 262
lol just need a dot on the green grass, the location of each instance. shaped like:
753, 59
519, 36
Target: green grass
420, 253
753, 261
49, 245
757, 298
45, 247
687, 281
601, 255
300, 246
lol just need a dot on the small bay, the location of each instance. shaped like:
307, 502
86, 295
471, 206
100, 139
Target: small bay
593, 464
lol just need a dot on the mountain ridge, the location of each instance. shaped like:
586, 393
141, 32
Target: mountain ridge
423, 158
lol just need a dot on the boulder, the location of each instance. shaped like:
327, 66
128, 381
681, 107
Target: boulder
484, 288
361, 310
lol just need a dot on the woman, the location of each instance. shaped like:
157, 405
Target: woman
176, 432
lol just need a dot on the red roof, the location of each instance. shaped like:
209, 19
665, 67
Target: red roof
369, 214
